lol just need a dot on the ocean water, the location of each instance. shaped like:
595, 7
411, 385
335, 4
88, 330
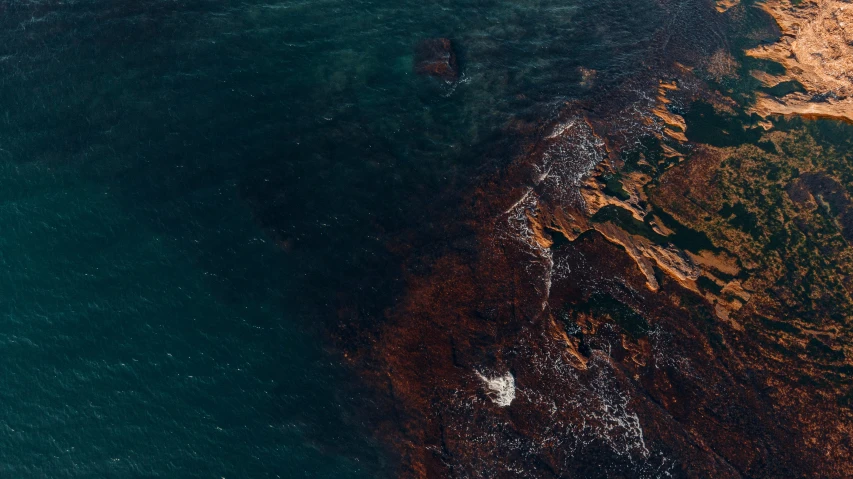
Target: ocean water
186, 185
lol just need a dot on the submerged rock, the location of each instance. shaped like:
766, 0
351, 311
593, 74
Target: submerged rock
436, 57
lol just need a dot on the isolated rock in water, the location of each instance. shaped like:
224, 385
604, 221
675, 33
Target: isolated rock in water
436, 57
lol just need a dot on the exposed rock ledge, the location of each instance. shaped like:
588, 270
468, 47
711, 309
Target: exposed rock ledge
816, 50
725, 5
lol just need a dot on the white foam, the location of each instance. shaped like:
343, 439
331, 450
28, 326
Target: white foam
501, 388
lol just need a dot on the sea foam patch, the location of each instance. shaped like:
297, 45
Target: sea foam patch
500, 389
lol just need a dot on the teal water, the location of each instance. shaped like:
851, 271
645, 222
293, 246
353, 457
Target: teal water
126, 357
186, 186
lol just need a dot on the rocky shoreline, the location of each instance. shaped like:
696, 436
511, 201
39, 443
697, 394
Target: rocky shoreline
542, 340
643, 285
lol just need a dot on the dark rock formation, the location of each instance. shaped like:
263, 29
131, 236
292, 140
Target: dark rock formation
436, 57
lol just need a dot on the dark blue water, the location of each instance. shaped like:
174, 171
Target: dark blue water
187, 186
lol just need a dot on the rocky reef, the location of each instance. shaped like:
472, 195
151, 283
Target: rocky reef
816, 50
598, 309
